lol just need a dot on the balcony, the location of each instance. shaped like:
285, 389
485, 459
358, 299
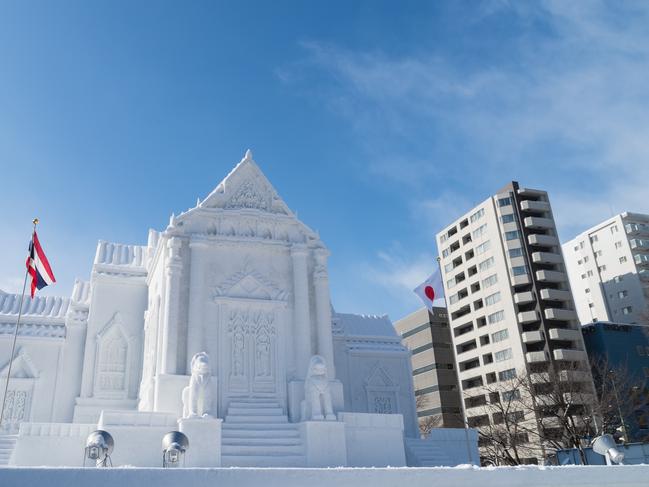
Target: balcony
641, 259
644, 275
533, 337
636, 228
533, 193
536, 206
574, 376
520, 280
639, 244
564, 334
538, 222
551, 276
569, 355
560, 314
536, 357
528, 317
523, 298
546, 258
543, 240
578, 398
555, 295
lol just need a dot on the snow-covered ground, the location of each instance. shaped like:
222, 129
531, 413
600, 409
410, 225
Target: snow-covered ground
615, 476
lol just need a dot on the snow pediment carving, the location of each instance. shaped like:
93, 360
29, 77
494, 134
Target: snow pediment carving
22, 367
378, 377
249, 284
246, 188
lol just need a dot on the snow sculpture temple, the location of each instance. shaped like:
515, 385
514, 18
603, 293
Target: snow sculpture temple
240, 278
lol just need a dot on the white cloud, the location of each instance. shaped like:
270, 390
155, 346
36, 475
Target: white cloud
569, 112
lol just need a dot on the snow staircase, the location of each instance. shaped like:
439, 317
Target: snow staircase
256, 433
7, 443
424, 453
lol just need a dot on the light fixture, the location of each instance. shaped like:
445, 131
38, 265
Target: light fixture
605, 445
174, 445
99, 446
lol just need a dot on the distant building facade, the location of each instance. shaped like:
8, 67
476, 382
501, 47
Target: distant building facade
427, 335
608, 266
625, 347
509, 301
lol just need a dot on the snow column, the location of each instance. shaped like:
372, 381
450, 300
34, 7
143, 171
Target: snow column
301, 319
195, 338
172, 301
323, 309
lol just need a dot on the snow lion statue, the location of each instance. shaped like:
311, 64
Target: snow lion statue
317, 403
197, 396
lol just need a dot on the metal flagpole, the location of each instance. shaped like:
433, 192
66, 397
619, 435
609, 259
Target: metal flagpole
457, 374
13, 345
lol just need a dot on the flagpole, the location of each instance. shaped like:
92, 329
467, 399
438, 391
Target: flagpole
13, 345
457, 374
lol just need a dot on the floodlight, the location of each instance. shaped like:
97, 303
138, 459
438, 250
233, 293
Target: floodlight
174, 445
99, 446
605, 445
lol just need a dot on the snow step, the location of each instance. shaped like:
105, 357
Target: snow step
259, 426
254, 418
259, 434
247, 411
263, 461
251, 441
254, 404
261, 450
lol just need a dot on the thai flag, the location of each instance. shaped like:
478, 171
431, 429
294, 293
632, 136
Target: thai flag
38, 267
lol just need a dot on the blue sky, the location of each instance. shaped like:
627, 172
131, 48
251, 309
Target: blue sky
378, 122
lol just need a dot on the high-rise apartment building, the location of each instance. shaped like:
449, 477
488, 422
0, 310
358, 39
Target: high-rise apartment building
510, 306
608, 266
427, 335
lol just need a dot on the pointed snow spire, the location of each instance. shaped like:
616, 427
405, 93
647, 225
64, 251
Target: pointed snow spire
172, 220
248, 155
198, 202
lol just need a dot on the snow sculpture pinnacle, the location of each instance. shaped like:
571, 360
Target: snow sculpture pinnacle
248, 156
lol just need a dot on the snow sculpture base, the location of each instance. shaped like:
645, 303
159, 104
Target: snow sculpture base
204, 436
324, 443
168, 393
374, 440
138, 436
51, 444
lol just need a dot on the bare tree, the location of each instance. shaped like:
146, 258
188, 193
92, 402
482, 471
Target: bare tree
427, 423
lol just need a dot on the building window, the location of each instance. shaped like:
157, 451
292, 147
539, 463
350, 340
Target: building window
511, 373
486, 264
478, 232
593, 239
496, 317
579, 262
622, 294
627, 310
483, 247
513, 235
504, 202
590, 273
618, 244
586, 259
587, 290
508, 218
518, 252
581, 245
519, 270
450, 283
449, 267
591, 305
445, 253
601, 268
614, 229
477, 215
576, 248
503, 355
499, 336
492, 299
583, 276
490, 281
622, 259
511, 395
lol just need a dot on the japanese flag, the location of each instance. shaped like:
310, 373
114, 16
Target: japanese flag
430, 290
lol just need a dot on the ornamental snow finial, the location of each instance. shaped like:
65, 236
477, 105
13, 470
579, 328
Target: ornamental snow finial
248, 156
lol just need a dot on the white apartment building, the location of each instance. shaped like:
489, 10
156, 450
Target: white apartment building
608, 266
509, 301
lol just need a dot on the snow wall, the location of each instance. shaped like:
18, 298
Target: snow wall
571, 476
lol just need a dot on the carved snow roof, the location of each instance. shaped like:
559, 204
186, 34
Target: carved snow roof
364, 325
120, 258
246, 187
54, 307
